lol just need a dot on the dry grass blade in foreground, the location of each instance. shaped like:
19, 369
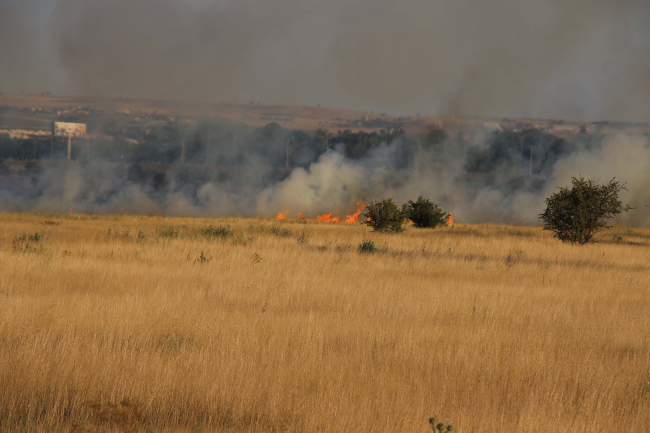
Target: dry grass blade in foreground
137, 323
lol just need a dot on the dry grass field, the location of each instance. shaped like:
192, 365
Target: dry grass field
135, 323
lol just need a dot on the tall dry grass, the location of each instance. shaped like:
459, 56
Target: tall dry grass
158, 326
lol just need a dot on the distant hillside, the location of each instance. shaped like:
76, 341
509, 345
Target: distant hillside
36, 112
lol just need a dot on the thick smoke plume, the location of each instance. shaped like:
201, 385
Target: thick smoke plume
561, 59
334, 183
570, 59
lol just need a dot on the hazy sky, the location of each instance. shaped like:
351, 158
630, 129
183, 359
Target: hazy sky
581, 60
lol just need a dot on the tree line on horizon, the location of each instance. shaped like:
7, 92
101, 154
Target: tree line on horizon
224, 143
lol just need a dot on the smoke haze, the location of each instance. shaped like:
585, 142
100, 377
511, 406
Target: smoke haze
334, 183
573, 60
578, 60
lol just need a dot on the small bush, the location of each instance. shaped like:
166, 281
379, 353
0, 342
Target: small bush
383, 216
25, 243
216, 232
514, 257
279, 231
367, 246
440, 427
36, 237
240, 239
343, 248
575, 215
168, 232
202, 258
117, 234
424, 213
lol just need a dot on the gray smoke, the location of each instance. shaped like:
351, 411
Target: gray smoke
569, 59
334, 183
624, 157
29, 60
557, 59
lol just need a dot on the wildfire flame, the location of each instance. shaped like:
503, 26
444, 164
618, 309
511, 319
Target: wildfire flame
450, 220
355, 216
282, 215
348, 219
328, 218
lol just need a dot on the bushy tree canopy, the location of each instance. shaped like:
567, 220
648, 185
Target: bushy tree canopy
383, 216
575, 215
424, 213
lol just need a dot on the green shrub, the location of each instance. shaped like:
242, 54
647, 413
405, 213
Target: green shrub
202, 258
514, 257
36, 237
575, 215
440, 427
168, 232
116, 233
383, 216
424, 213
25, 243
216, 232
367, 246
279, 231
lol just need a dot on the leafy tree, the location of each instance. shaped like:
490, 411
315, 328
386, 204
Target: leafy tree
424, 213
383, 216
575, 215
27, 150
434, 138
321, 138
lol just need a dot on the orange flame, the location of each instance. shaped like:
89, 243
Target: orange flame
348, 219
355, 216
450, 220
327, 218
282, 215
